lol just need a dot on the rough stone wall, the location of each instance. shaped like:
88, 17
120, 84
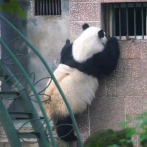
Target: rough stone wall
125, 91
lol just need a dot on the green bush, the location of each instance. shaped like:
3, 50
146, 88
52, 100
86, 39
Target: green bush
122, 138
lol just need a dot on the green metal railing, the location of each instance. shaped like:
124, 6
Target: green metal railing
7, 123
32, 86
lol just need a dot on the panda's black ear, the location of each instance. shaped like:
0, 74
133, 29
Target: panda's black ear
101, 34
67, 42
85, 26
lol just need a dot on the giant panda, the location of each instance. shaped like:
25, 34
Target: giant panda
83, 62
100, 64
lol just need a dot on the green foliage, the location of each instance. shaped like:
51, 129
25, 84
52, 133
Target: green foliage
124, 124
115, 145
13, 7
143, 128
110, 138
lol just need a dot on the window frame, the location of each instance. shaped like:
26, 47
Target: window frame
108, 19
47, 8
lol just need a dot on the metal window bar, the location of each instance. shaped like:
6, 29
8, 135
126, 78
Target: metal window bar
105, 20
146, 20
127, 25
36, 7
51, 7
52, 2
113, 21
108, 21
135, 20
58, 4
120, 21
142, 21
55, 3
56, 7
47, 7
42, 7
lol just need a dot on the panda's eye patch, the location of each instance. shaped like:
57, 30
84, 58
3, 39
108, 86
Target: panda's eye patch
101, 34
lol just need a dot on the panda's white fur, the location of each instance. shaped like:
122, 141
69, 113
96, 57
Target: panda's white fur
88, 44
79, 89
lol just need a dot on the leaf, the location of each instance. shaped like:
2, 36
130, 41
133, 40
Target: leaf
143, 137
143, 124
13, 7
123, 124
1, 8
13, 2
131, 132
141, 116
8, 8
122, 140
20, 12
129, 141
128, 118
114, 145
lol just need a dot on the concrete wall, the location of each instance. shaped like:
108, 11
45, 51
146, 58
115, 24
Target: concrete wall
48, 34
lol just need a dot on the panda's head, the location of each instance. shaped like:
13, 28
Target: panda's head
90, 42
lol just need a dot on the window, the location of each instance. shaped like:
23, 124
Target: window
125, 20
47, 7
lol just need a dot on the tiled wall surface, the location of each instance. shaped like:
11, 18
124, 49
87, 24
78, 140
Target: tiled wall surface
83, 11
124, 92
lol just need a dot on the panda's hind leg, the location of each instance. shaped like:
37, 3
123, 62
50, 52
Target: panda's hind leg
64, 129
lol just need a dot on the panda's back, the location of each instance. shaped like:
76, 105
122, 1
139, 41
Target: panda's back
79, 89
80, 85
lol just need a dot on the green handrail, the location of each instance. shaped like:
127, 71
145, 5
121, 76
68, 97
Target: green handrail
54, 79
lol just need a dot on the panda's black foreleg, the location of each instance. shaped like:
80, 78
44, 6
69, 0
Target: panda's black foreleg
65, 131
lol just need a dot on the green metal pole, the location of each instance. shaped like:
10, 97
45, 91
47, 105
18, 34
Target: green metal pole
8, 126
52, 75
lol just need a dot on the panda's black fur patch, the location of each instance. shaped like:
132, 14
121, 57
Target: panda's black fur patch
65, 129
85, 26
101, 34
102, 63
